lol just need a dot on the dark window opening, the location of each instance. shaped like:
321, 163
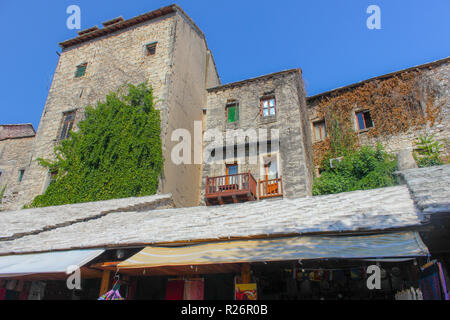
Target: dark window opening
21, 173
67, 125
364, 120
81, 70
320, 130
268, 107
232, 112
150, 49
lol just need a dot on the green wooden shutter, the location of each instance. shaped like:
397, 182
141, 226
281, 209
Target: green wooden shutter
231, 114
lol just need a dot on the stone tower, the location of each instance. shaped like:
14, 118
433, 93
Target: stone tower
163, 47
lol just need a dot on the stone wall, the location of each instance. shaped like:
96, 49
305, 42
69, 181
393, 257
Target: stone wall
438, 75
287, 88
15, 155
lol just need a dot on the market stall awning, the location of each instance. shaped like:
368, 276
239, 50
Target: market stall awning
392, 245
45, 263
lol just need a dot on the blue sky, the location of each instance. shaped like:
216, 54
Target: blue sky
328, 39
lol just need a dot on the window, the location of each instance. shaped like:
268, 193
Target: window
21, 173
81, 70
320, 130
150, 49
364, 120
232, 112
268, 106
67, 124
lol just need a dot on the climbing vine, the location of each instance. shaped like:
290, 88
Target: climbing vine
116, 153
396, 104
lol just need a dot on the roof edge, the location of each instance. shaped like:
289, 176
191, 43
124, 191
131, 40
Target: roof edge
260, 78
388, 75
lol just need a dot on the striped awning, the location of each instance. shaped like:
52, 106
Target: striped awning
392, 245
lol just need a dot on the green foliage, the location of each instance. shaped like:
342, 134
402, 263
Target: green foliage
427, 152
117, 152
342, 139
2, 193
363, 169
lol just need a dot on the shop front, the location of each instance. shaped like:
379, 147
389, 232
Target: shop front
291, 268
44, 276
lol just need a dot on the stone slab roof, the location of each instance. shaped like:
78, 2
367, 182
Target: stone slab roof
430, 188
16, 224
14, 131
371, 210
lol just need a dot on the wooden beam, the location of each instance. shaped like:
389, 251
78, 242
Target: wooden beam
104, 287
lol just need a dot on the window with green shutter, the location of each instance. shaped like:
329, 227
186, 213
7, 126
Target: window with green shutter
232, 112
81, 70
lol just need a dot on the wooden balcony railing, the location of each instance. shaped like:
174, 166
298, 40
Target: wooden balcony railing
238, 187
270, 188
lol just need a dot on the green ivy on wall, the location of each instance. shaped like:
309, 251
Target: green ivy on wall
116, 153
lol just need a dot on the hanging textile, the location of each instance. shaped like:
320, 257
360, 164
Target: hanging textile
175, 290
194, 290
431, 282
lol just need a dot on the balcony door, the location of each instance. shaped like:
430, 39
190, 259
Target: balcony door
271, 174
232, 170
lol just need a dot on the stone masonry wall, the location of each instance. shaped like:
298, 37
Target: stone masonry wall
290, 106
15, 155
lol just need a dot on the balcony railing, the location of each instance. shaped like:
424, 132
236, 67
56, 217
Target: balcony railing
270, 188
231, 188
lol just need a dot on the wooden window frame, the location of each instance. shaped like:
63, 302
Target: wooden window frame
314, 130
83, 65
363, 112
261, 106
67, 124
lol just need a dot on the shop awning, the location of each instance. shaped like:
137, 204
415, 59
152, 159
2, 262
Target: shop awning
392, 245
45, 263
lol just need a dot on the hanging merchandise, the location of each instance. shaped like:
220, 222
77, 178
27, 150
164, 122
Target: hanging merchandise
409, 294
175, 290
432, 282
194, 289
37, 290
246, 291
114, 294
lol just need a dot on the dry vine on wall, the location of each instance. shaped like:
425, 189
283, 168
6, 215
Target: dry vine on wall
396, 104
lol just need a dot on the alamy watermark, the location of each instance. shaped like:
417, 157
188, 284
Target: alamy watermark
73, 281
229, 146
74, 20
374, 20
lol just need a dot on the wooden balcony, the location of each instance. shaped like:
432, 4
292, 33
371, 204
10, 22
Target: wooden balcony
270, 188
230, 189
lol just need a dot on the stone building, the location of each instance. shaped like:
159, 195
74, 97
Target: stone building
16, 142
163, 47
393, 109
267, 116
